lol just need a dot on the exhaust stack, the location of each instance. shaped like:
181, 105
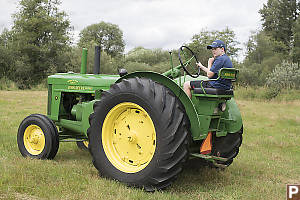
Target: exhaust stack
97, 60
83, 61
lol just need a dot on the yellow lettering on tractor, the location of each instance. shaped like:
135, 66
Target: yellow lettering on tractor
73, 87
73, 81
229, 74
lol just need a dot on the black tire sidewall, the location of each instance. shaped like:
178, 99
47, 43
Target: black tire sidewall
35, 120
106, 166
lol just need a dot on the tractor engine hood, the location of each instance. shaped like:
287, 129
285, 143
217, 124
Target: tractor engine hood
82, 82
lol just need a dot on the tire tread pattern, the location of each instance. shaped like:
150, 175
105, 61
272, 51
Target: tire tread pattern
174, 125
50, 128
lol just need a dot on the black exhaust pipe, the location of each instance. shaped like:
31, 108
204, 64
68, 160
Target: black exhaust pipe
97, 60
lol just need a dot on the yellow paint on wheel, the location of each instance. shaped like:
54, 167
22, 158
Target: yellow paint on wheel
128, 137
86, 144
34, 139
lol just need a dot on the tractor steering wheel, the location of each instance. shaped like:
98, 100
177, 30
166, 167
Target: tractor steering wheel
188, 61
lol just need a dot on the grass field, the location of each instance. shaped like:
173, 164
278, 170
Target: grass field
269, 159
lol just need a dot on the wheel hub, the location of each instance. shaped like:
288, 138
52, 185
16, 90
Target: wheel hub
34, 139
132, 137
129, 137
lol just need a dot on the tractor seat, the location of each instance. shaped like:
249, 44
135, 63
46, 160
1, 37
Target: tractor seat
224, 73
214, 91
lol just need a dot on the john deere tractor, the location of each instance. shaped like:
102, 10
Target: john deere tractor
140, 127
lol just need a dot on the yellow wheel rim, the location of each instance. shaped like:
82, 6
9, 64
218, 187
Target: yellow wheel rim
34, 139
86, 144
128, 137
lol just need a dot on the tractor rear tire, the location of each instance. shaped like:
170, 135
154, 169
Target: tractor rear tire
38, 137
139, 134
227, 147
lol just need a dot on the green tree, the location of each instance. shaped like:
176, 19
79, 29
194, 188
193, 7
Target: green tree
40, 36
204, 38
263, 54
147, 56
278, 17
261, 46
6, 54
142, 59
296, 42
108, 36
6, 61
267, 48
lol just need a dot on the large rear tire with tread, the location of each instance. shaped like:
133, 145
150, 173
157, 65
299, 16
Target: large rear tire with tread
139, 134
38, 137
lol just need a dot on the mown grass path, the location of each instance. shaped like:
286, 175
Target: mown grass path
269, 159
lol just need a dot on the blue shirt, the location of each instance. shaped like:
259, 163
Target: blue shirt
221, 62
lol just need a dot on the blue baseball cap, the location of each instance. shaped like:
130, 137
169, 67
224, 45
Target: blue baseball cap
216, 44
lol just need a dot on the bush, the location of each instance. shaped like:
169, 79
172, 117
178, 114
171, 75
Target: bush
147, 56
271, 93
285, 75
247, 93
250, 76
266, 94
161, 67
6, 84
136, 66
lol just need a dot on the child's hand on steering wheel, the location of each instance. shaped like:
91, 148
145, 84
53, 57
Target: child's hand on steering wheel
199, 64
210, 61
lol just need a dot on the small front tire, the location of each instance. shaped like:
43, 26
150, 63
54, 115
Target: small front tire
38, 137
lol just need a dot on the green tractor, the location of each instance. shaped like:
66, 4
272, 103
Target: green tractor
140, 128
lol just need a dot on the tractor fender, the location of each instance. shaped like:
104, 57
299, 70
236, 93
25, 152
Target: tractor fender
177, 90
232, 116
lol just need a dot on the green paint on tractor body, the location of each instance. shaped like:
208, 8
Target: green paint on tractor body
201, 109
85, 88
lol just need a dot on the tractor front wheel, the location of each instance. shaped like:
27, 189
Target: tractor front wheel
138, 134
38, 137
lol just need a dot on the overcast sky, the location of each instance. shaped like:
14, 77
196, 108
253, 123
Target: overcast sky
163, 24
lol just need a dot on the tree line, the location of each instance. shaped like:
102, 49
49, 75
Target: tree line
40, 43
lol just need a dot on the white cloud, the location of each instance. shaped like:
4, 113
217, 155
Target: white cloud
7, 8
158, 23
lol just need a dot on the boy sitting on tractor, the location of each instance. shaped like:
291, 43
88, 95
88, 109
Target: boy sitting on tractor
218, 61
